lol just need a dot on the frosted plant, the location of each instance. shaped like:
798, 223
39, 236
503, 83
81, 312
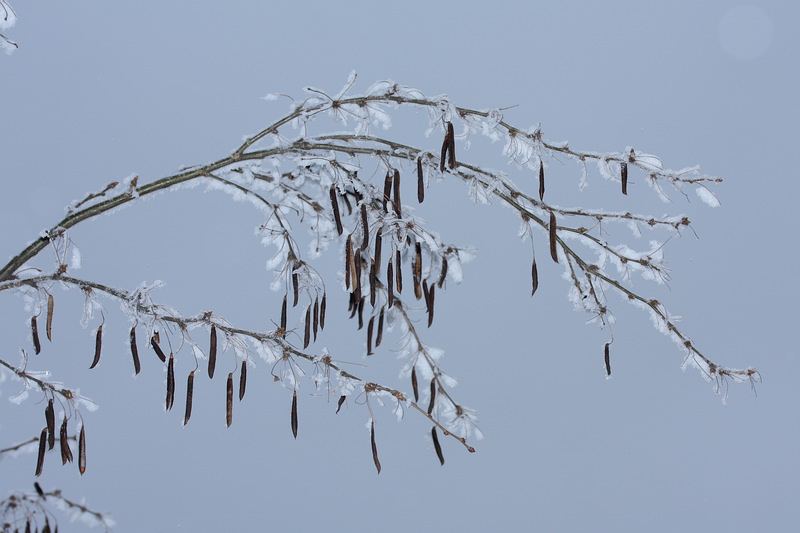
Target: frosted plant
7, 19
307, 185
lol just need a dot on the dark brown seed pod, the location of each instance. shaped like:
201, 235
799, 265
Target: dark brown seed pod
242, 380
361, 313
352, 305
283, 316
433, 396
50, 418
339, 403
348, 260
347, 203
398, 272
294, 414
189, 395
416, 272
157, 349
37, 346
607, 358
443, 154
38, 489
137, 366
397, 205
322, 308
42, 450
49, 325
374, 447
387, 190
63, 441
443, 273
170, 382
229, 400
425, 293
98, 346
212, 348
307, 331
414, 384
420, 182
364, 226
451, 148
357, 271
336, 215
82, 450
552, 229
315, 314
436, 445
295, 289
378, 243
431, 296
541, 180
379, 336
534, 277
370, 327
390, 284
623, 170
373, 278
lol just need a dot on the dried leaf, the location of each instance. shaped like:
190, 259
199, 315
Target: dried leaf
379, 336
212, 348
370, 326
322, 308
189, 394
242, 380
339, 403
552, 229
137, 366
170, 382
336, 215
82, 450
294, 414
229, 400
49, 326
390, 284
534, 277
607, 358
398, 272
451, 148
387, 190
307, 332
436, 445
63, 440
623, 169
397, 193
541, 180
420, 182
98, 346
158, 350
443, 273
364, 226
374, 447
50, 418
42, 450
433, 396
414, 384
37, 347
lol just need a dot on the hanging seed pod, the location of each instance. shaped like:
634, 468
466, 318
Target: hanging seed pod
374, 447
425, 293
431, 296
416, 273
49, 325
379, 336
37, 346
170, 382
387, 190
397, 193
187, 414
212, 348
541, 180
50, 418
433, 396
347, 203
414, 384
451, 148
389, 284
339, 403
98, 346
63, 441
316, 317
352, 305
361, 313
229, 400
534, 277
38, 489
82, 450
42, 450
552, 230
336, 215
242, 380
398, 272
137, 367
370, 327
437, 446
377, 254
365, 226
420, 182
283, 316
623, 170
373, 283
607, 358
157, 336
348, 260
294, 414
157, 349
307, 333
445, 148
322, 308
295, 289
443, 273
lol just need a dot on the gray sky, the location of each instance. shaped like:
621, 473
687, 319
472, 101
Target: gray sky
99, 91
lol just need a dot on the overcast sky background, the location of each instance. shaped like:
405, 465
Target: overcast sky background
100, 90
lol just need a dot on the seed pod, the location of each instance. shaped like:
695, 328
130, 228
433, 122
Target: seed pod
433, 396
390, 284
157, 336
623, 169
336, 215
322, 308
212, 348
339, 403
283, 316
82, 450
229, 400
414, 384
425, 293
607, 358
352, 305
98, 346
348, 260
189, 394
445, 148
170, 382
552, 229
431, 295
361, 313
420, 182
436, 445
377, 254
398, 272
365, 226
307, 334
541, 180
373, 278
242, 380
451, 148
387, 190
316, 317
42, 449
135, 351
443, 273
379, 336
50, 418
49, 325
38, 489
294, 414
295, 289
374, 447
37, 347
63, 440
157, 349
370, 326
397, 193
534, 277
417, 270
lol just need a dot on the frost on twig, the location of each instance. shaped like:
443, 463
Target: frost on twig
7, 19
33, 511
